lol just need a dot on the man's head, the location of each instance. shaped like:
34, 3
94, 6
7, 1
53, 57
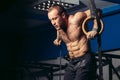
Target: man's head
57, 16
58, 7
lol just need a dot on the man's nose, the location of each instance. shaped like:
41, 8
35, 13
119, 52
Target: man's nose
53, 23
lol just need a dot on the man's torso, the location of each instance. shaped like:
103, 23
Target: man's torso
74, 38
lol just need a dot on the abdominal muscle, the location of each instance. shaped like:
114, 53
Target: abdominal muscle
77, 48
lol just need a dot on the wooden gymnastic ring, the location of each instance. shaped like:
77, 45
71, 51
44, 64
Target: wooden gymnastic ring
88, 19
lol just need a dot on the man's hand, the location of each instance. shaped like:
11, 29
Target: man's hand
57, 42
91, 34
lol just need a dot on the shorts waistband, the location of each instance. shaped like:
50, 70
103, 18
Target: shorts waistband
80, 56
77, 59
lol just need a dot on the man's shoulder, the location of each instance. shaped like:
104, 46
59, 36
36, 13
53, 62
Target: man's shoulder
79, 14
76, 14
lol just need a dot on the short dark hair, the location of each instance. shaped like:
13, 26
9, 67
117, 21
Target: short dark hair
60, 8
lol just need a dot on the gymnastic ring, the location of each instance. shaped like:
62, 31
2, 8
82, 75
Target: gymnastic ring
88, 19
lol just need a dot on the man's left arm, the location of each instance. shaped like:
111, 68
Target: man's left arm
94, 31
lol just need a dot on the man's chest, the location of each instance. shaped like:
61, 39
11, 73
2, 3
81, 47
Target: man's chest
71, 34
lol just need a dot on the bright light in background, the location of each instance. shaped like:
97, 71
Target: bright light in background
45, 5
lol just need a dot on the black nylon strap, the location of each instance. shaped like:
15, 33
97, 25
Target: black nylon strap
94, 15
92, 8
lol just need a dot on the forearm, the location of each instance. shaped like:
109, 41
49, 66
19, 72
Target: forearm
96, 24
58, 35
57, 41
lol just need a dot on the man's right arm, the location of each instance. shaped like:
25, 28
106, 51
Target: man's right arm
57, 41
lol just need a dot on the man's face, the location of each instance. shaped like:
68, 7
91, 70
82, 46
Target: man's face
56, 19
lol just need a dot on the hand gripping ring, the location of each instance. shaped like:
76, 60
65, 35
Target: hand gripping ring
88, 19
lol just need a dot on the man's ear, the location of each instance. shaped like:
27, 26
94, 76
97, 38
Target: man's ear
63, 15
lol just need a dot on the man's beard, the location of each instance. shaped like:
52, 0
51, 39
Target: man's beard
62, 25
